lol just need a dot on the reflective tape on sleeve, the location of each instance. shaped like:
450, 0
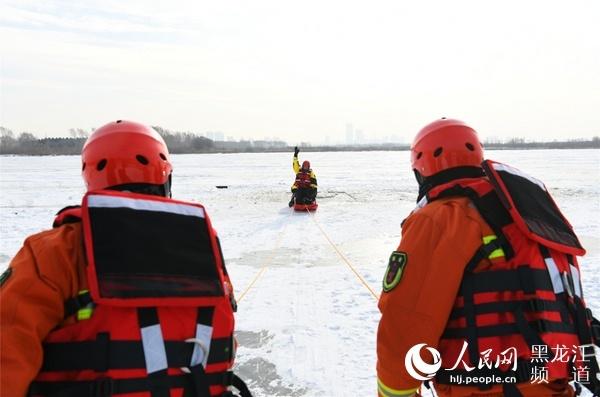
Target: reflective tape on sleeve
387, 391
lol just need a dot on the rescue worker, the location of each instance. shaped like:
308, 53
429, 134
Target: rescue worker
304, 189
486, 267
112, 300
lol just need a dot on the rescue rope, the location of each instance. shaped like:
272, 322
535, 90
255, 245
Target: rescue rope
267, 262
362, 280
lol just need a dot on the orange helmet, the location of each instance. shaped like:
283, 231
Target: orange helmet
306, 165
125, 153
444, 144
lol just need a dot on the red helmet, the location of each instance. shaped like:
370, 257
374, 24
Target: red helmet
444, 144
306, 165
125, 152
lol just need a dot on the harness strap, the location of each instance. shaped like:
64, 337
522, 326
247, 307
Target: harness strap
155, 355
106, 387
239, 384
467, 290
200, 382
530, 335
531, 305
470, 332
118, 354
541, 326
510, 280
74, 304
203, 336
491, 210
69, 214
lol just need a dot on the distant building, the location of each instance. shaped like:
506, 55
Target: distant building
359, 137
349, 134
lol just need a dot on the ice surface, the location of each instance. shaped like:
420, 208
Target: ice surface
308, 326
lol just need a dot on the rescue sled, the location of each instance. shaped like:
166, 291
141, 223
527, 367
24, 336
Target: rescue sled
306, 207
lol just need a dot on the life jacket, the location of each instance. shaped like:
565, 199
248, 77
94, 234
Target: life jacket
520, 290
303, 180
157, 319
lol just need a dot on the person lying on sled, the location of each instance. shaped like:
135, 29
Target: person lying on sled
304, 189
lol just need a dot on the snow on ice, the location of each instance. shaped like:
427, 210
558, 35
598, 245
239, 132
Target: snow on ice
307, 327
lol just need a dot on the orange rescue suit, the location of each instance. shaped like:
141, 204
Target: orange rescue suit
47, 271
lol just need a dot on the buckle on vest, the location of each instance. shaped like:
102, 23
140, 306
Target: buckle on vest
204, 350
103, 387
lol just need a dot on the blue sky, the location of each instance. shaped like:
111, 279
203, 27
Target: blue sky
302, 70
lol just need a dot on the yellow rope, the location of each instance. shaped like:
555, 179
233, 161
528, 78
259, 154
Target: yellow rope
267, 262
362, 280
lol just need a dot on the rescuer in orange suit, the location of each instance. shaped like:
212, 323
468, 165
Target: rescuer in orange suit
424, 274
50, 271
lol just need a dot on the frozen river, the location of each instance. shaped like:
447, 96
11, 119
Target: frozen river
307, 326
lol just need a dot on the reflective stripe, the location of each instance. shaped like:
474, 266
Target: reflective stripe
557, 284
576, 281
97, 201
85, 313
202, 345
497, 253
154, 349
387, 391
514, 171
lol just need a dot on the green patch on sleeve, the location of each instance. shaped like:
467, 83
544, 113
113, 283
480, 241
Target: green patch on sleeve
394, 271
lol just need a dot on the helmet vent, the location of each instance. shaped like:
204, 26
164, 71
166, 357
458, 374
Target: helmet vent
101, 164
419, 155
119, 121
470, 147
142, 159
437, 152
83, 167
162, 156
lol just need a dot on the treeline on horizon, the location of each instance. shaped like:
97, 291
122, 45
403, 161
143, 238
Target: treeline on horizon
187, 142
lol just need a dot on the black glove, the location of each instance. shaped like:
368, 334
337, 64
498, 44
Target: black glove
296, 151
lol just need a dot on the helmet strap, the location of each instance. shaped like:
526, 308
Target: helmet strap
145, 188
167, 187
426, 183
